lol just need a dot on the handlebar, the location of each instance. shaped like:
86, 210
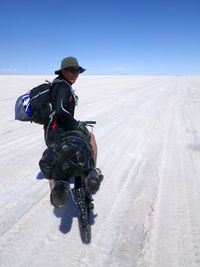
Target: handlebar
87, 123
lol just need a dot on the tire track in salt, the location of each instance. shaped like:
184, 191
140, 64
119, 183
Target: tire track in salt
17, 201
174, 210
123, 194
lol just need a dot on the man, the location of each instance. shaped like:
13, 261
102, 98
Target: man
64, 100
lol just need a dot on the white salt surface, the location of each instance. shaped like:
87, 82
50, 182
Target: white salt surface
148, 208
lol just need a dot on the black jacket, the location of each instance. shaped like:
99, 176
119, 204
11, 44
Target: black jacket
63, 102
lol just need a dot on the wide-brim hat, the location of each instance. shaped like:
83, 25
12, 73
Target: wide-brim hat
69, 62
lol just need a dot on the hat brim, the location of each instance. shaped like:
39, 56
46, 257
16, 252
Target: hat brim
59, 71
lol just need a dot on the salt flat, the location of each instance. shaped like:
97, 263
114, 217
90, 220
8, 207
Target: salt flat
148, 208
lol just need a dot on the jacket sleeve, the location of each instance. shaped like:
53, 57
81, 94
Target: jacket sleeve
64, 117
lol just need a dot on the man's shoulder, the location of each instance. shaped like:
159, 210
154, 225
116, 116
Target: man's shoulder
60, 81
59, 84
60, 87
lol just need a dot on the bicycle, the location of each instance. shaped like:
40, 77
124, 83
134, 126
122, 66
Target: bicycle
80, 196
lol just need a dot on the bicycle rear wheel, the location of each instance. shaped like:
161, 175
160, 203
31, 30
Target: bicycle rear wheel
83, 206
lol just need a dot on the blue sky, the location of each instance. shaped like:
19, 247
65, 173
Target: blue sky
136, 37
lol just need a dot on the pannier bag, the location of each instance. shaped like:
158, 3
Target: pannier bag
68, 158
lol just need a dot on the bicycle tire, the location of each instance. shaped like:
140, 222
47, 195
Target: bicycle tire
83, 211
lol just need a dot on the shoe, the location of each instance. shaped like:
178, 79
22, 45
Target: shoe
59, 194
93, 181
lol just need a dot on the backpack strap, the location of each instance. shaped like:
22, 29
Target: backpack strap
51, 116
